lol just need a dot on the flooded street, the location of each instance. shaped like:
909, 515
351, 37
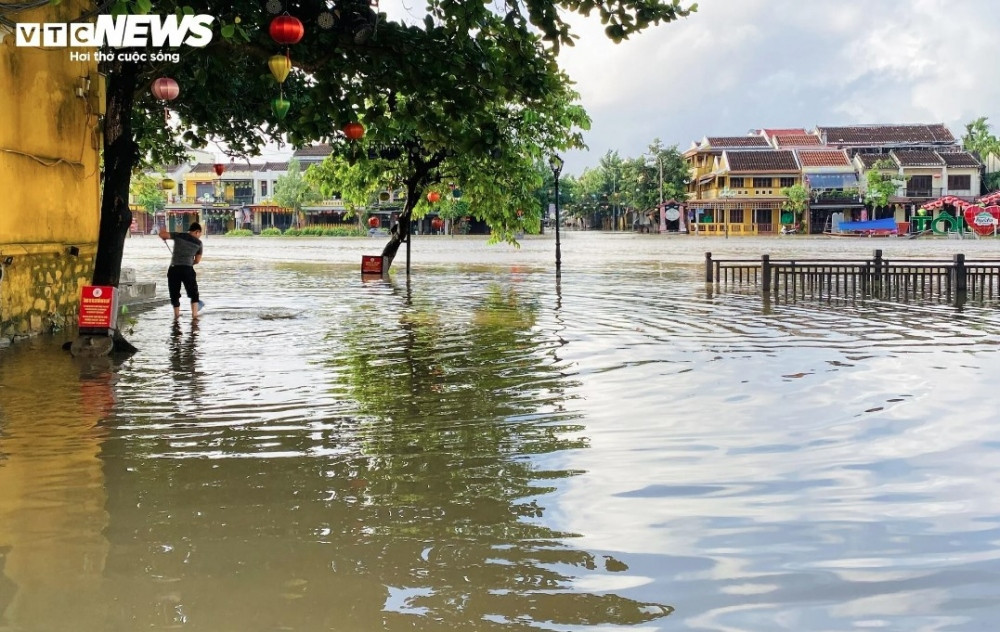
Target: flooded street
488, 447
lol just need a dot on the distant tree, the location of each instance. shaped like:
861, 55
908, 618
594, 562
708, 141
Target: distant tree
147, 193
981, 142
293, 191
796, 200
882, 182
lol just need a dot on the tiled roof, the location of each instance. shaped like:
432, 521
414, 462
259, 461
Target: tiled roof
917, 158
870, 135
823, 158
958, 159
761, 161
203, 167
274, 166
796, 140
795, 131
869, 160
721, 142
321, 151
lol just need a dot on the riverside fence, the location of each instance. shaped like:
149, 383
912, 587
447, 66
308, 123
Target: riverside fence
955, 280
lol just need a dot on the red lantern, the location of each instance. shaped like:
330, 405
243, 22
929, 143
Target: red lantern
433, 197
165, 89
437, 223
374, 222
219, 168
354, 131
286, 30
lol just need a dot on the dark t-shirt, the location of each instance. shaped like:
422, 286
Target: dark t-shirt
185, 249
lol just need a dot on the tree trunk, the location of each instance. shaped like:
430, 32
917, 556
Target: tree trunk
400, 232
121, 156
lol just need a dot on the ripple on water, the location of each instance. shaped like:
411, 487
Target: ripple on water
486, 446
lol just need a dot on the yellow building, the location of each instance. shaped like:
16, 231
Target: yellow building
736, 184
49, 174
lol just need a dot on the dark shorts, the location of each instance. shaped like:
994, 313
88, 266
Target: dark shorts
181, 275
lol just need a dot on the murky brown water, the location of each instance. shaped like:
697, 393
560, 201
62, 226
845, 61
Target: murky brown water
488, 448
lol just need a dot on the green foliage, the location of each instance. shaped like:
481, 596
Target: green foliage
797, 199
293, 191
270, 231
629, 183
240, 232
319, 230
147, 192
979, 140
452, 208
992, 181
467, 94
882, 182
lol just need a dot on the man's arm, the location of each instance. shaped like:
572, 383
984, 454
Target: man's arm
197, 258
164, 234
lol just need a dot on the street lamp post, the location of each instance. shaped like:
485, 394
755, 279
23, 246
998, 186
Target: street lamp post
556, 164
663, 213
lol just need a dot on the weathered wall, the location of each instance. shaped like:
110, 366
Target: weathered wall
49, 176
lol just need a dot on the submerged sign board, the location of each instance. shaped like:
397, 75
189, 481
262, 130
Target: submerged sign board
98, 310
374, 264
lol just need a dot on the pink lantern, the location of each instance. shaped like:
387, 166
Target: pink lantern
165, 89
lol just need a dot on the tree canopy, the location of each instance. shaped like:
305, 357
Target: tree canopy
467, 93
979, 140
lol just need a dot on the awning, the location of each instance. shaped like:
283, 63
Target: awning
832, 180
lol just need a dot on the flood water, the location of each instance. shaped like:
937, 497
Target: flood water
488, 447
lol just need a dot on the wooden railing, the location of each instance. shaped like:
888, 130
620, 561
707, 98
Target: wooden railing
957, 279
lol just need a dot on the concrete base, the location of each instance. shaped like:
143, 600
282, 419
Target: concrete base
132, 293
91, 346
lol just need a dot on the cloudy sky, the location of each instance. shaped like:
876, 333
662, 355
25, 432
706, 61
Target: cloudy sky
736, 65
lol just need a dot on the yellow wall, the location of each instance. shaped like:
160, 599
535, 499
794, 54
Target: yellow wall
49, 177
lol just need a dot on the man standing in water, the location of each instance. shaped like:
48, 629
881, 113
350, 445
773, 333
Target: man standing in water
186, 254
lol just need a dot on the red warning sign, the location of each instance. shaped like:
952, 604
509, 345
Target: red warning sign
98, 308
372, 264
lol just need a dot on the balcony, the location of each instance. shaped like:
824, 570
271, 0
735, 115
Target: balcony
835, 197
211, 200
919, 192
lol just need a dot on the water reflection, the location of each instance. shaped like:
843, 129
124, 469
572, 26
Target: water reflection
490, 447
454, 401
420, 507
52, 487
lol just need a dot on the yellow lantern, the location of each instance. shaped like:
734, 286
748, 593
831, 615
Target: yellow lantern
280, 66
167, 184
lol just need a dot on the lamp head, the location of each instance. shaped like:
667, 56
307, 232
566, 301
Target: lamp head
556, 164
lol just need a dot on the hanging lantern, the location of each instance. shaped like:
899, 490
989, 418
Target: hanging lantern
280, 107
437, 223
456, 193
354, 131
219, 168
374, 222
165, 89
384, 196
167, 184
280, 66
286, 30
433, 197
